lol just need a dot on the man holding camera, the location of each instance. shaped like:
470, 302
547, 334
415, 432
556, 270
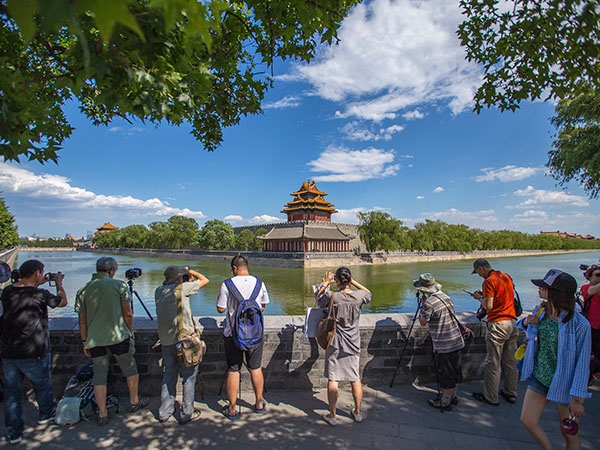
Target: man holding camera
175, 321
437, 313
497, 297
106, 327
25, 344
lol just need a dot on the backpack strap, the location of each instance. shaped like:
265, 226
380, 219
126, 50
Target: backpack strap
182, 332
233, 290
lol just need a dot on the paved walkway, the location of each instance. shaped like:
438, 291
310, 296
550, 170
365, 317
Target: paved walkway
394, 418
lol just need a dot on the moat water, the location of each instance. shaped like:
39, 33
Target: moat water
290, 290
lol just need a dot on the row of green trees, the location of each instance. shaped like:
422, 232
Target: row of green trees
9, 237
51, 242
382, 232
181, 232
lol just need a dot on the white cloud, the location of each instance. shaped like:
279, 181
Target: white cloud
355, 132
343, 164
438, 189
289, 101
58, 190
541, 197
508, 173
394, 56
264, 218
412, 115
420, 197
348, 215
126, 131
532, 217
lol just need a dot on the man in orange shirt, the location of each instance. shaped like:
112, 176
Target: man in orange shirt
497, 297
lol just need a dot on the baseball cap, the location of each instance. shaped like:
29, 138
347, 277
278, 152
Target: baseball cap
558, 280
480, 262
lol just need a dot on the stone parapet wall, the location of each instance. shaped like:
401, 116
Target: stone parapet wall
290, 360
322, 259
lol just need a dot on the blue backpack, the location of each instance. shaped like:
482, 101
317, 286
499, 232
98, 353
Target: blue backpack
248, 326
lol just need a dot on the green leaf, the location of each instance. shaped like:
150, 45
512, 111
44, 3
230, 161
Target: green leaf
22, 11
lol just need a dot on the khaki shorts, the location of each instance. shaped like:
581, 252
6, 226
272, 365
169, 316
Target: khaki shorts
123, 352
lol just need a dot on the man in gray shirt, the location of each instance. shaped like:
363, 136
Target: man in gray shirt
168, 331
437, 313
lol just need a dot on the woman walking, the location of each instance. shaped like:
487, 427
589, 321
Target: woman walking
557, 359
342, 357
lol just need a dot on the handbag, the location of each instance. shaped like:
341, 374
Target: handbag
190, 349
326, 327
311, 321
467, 333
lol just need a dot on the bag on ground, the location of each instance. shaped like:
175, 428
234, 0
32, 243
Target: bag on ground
248, 326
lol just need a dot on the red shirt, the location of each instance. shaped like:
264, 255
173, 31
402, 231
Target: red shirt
594, 307
500, 287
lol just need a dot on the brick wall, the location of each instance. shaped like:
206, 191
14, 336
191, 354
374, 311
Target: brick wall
290, 361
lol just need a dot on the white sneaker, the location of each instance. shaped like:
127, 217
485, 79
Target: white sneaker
15, 440
357, 417
331, 421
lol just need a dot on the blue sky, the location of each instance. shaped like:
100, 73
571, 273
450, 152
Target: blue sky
381, 121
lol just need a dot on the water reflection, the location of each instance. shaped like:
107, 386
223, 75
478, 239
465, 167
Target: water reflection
291, 292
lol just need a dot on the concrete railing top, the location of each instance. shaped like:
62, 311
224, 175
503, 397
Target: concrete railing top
367, 321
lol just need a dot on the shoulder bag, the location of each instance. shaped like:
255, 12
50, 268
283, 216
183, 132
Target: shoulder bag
326, 327
467, 333
190, 349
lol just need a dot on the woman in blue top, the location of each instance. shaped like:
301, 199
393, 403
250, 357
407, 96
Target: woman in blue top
557, 358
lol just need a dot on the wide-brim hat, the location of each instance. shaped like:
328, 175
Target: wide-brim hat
427, 284
558, 280
173, 273
4, 272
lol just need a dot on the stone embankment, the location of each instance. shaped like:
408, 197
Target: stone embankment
290, 360
46, 249
316, 260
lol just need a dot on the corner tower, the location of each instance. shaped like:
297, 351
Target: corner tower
309, 204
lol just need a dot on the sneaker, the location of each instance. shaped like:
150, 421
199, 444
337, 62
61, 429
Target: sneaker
45, 420
331, 421
437, 403
195, 416
357, 417
102, 421
14, 439
142, 403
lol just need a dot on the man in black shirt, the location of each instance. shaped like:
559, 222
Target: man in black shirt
25, 345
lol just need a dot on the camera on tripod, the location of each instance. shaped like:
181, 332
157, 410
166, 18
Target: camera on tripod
132, 274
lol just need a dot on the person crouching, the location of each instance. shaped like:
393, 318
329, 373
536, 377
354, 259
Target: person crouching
437, 313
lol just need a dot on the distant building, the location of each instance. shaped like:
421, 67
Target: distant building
308, 227
106, 227
587, 237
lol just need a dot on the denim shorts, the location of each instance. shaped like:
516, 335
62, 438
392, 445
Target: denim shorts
536, 386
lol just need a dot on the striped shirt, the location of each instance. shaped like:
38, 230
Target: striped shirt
443, 328
573, 359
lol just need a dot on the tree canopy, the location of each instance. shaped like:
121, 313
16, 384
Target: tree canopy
178, 61
576, 153
380, 231
9, 237
531, 49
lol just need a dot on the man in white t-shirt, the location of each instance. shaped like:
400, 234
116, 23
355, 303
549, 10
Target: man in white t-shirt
245, 283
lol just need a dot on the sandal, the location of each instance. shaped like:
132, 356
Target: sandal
102, 421
508, 397
481, 398
225, 412
142, 403
260, 410
330, 420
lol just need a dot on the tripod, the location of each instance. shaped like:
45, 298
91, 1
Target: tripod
133, 292
407, 337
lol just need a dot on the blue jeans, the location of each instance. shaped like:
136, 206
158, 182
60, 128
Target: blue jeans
38, 372
171, 370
